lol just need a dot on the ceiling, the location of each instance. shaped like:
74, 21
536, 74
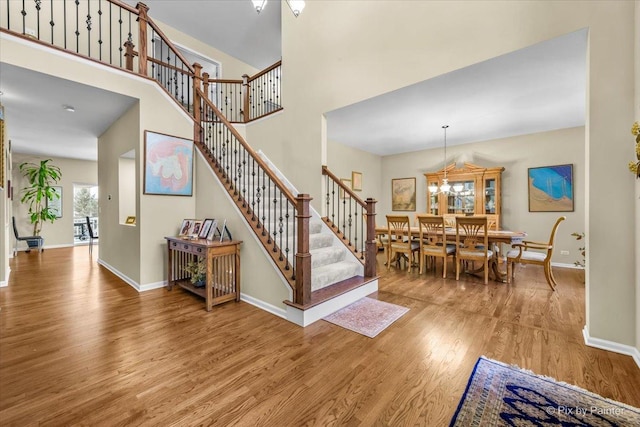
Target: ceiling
536, 89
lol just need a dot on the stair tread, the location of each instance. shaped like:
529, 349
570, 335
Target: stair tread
332, 291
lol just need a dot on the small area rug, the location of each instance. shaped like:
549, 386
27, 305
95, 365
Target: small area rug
503, 395
367, 316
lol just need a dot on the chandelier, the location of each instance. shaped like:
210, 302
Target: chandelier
296, 6
446, 187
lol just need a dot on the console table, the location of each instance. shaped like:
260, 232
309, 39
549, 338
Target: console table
222, 281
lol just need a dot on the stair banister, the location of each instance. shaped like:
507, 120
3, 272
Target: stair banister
300, 282
368, 206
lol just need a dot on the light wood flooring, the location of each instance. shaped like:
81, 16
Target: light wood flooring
80, 347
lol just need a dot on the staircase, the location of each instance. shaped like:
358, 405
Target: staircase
324, 269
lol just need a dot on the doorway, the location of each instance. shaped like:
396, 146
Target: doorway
85, 204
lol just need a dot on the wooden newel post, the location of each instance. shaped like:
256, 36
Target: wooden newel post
197, 78
143, 10
371, 248
129, 54
245, 101
302, 292
205, 84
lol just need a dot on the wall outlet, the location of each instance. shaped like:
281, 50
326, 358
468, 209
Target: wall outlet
564, 252
30, 32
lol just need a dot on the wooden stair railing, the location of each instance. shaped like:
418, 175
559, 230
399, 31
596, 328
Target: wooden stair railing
279, 218
108, 31
352, 219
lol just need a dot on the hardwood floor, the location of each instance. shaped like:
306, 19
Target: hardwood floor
80, 347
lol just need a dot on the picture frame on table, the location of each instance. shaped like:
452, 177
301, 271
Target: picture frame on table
213, 230
197, 226
186, 229
205, 229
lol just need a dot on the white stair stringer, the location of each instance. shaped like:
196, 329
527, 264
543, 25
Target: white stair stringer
331, 262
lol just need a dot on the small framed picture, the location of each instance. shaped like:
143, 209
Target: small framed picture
197, 226
131, 220
187, 228
347, 183
356, 181
204, 230
213, 230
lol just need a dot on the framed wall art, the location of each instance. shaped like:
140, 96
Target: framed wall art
403, 194
356, 181
551, 189
168, 165
55, 204
347, 183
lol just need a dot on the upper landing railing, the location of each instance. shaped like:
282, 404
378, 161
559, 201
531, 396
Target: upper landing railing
114, 33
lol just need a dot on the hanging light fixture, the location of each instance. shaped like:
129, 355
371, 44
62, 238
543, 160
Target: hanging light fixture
296, 6
445, 187
259, 5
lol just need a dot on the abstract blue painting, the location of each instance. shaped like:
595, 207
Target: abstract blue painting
551, 189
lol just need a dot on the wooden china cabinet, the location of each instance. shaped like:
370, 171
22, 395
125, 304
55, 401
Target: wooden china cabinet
478, 191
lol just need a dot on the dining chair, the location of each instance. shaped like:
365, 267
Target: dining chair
400, 242
449, 220
536, 253
493, 221
472, 243
433, 242
92, 235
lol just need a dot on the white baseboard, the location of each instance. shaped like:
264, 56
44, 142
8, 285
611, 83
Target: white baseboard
565, 265
307, 317
277, 311
151, 286
126, 279
135, 285
5, 282
611, 346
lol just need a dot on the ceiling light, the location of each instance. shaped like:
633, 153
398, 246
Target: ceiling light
445, 187
69, 108
296, 6
259, 4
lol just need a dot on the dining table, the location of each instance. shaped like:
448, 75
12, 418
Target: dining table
495, 237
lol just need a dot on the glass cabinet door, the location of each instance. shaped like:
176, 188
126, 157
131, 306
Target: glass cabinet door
433, 202
490, 196
461, 198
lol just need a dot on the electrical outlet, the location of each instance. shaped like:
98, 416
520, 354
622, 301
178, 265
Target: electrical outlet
564, 252
30, 32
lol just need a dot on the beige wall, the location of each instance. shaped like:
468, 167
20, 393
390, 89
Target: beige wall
259, 279
119, 244
343, 160
60, 232
637, 118
516, 155
355, 59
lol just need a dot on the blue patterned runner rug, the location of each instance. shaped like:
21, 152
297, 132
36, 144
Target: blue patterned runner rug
501, 395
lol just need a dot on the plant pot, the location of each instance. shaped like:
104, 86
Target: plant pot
199, 283
32, 244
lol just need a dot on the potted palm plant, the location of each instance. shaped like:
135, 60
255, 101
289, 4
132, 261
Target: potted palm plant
41, 178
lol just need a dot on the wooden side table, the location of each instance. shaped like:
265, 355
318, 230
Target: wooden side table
222, 281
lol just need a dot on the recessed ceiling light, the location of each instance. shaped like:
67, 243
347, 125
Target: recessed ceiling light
69, 108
